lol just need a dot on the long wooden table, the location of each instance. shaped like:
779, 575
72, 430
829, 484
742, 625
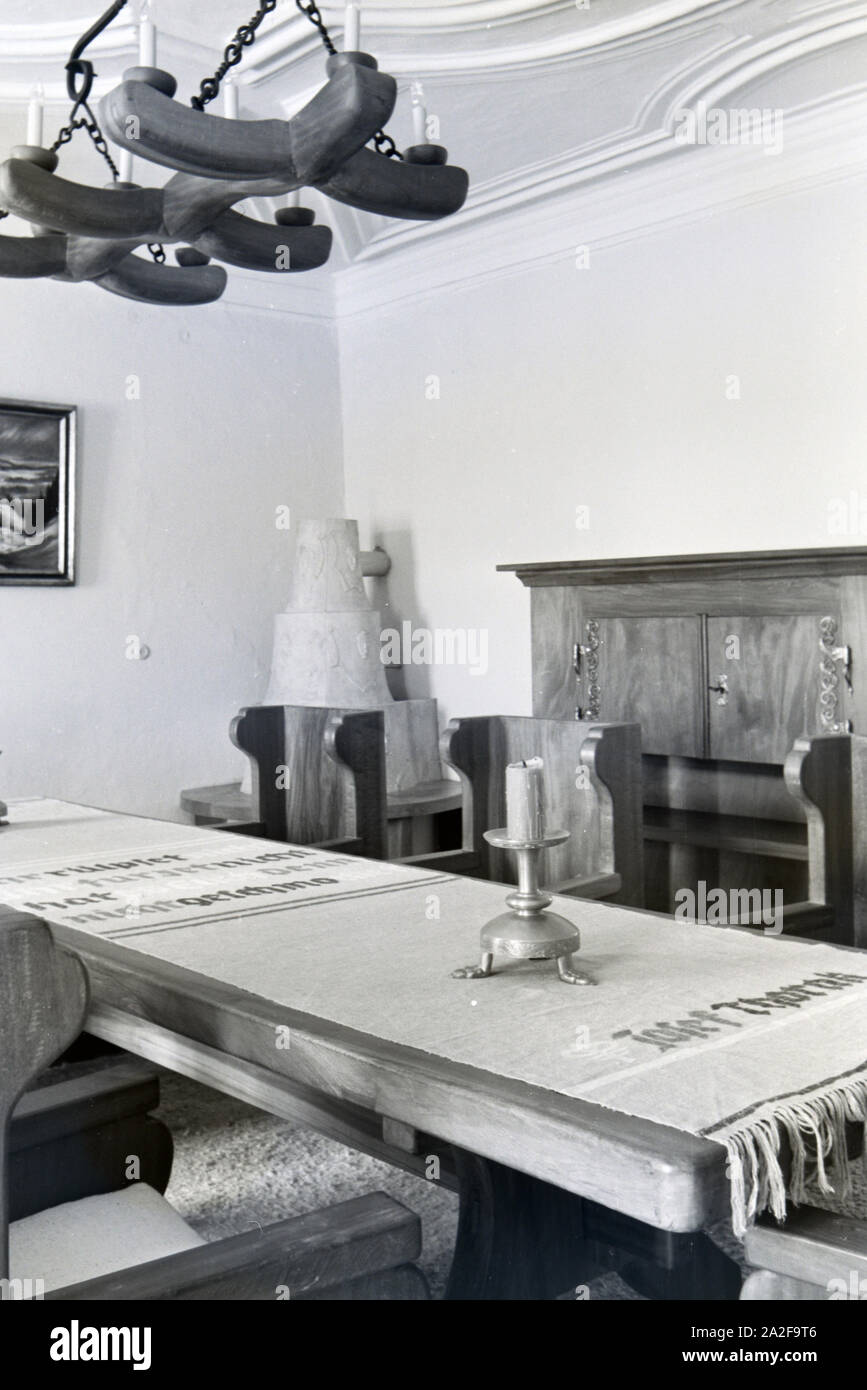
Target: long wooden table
238, 963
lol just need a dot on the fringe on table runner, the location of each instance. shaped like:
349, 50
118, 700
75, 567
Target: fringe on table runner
816, 1131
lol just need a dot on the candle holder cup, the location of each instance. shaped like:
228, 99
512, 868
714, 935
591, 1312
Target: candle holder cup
528, 931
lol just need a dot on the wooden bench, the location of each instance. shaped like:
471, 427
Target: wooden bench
786, 827
814, 1255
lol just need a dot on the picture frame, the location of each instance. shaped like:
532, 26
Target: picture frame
37, 493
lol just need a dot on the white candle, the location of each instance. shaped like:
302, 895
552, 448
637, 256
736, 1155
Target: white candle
294, 200
352, 29
125, 170
230, 98
419, 124
36, 116
525, 809
147, 39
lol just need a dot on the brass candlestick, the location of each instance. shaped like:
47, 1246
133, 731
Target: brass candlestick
528, 931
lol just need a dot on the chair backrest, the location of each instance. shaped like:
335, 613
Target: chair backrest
592, 779
411, 744
318, 774
43, 1003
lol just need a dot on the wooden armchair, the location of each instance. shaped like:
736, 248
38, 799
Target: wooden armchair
318, 776
593, 788
131, 1244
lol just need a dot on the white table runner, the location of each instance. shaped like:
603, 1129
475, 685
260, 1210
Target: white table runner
732, 1035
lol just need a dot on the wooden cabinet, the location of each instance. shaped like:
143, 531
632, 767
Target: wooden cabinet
724, 661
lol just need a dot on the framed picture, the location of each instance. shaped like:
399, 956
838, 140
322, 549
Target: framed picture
37, 493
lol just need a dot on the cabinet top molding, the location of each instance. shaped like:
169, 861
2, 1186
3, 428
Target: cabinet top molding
666, 569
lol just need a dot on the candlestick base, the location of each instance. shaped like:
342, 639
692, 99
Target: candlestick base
35, 154
426, 154
152, 77
528, 931
348, 58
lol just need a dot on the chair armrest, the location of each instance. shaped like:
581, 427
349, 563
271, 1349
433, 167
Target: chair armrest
243, 827
449, 861
122, 1087
813, 1245
588, 886
402, 1285
323, 1249
73, 1136
90, 1163
808, 919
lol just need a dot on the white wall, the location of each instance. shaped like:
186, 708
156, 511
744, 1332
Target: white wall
559, 388
177, 542
607, 388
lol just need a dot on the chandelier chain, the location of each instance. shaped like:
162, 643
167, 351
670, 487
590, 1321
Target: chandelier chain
245, 35
91, 125
158, 252
311, 10
385, 145
79, 84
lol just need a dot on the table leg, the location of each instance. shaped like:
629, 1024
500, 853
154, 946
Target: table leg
519, 1238
662, 1264
700, 1271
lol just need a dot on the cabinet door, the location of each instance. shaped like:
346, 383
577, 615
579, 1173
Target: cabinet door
648, 671
771, 667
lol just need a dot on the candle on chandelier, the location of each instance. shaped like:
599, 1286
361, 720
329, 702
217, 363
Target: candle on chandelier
231, 97
125, 168
36, 115
147, 38
525, 810
294, 199
419, 122
352, 29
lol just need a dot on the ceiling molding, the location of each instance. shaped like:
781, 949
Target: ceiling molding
482, 37
725, 74
308, 296
549, 33
24, 63
514, 225
748, 61
53, 41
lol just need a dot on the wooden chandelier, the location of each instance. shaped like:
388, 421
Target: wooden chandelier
85, 233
